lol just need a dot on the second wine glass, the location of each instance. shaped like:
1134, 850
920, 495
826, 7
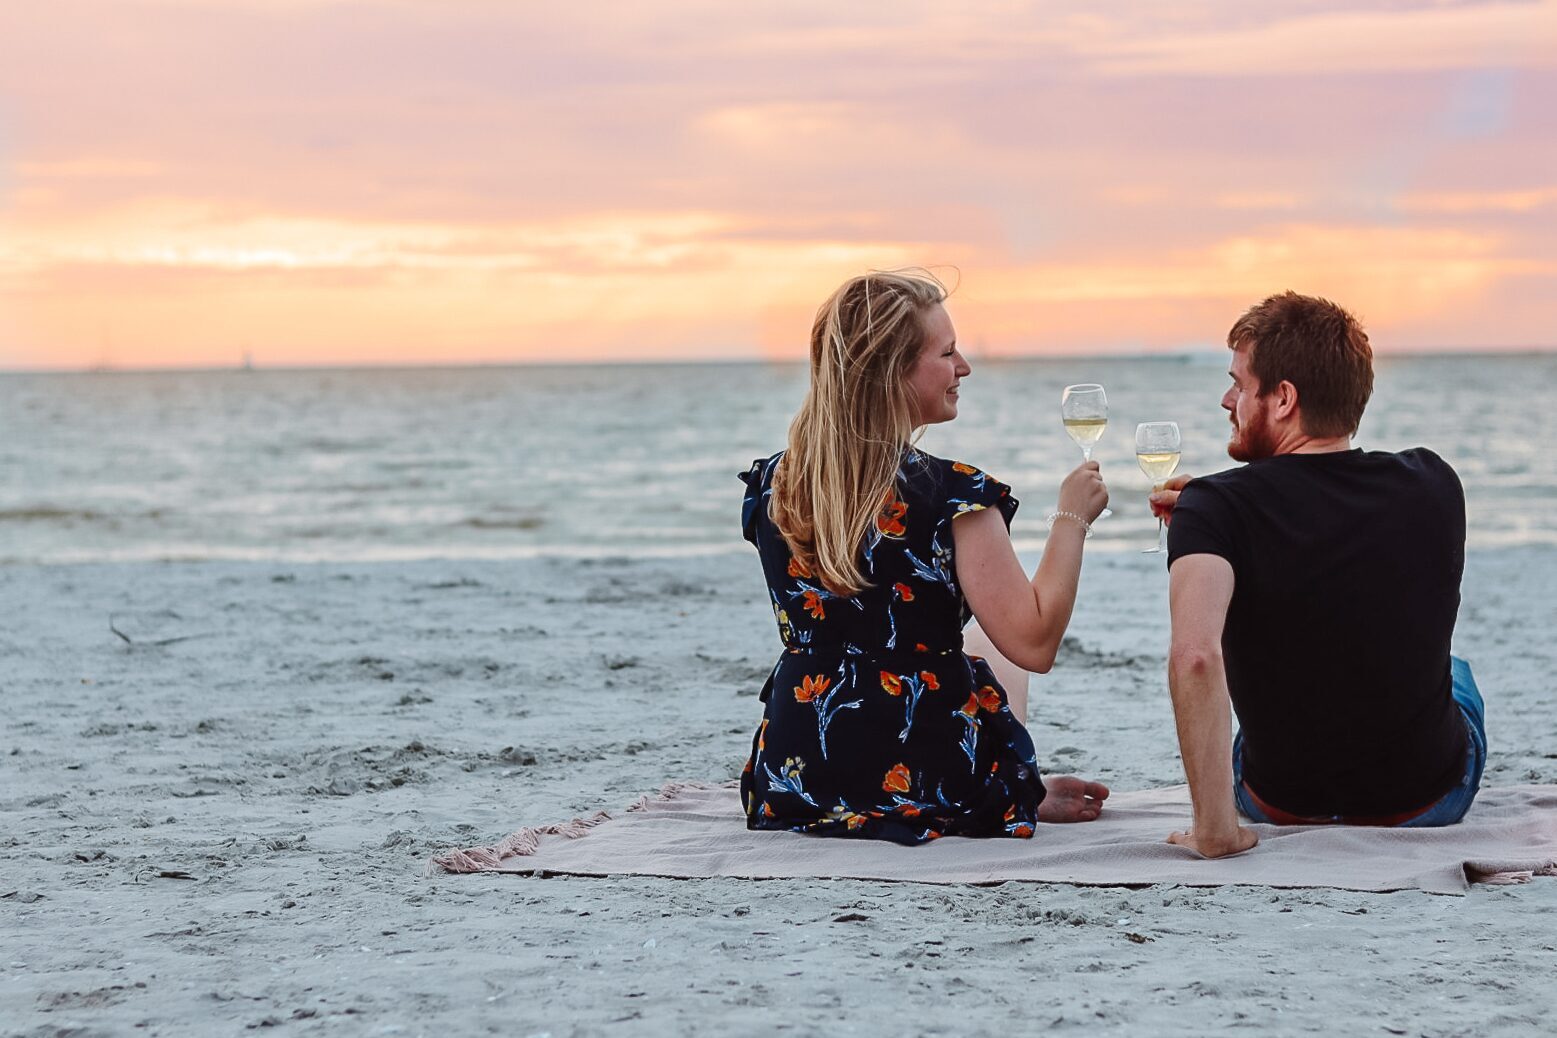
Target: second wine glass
1157, 447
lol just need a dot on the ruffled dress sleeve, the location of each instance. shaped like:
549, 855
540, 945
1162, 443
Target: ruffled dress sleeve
758, 479
967, 489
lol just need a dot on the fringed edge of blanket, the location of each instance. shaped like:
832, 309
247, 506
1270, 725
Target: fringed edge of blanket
526, 841
672, 790
1516, 876
516, 845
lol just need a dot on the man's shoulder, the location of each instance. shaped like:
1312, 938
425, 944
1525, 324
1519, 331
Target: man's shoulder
1293, 466
1226, 478
1223, 485
1418, 469
1423, 459
1207, 515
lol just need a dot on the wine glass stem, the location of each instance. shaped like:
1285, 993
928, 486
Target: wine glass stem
1086, 456
1162, 536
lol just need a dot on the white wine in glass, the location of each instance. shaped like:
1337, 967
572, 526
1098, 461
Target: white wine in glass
1086, 432
1084, 410
1158, 467
1157, 447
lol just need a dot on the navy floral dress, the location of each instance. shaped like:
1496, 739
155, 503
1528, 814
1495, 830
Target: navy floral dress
876, 723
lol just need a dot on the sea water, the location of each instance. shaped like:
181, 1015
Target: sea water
373, 464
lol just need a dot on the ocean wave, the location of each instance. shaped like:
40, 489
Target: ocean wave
515, 522
52, 514
45, 514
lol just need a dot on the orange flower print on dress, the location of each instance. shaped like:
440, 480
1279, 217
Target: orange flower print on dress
890, 520
891, 683
1022, 831
811, 687
989, 699
969, 709
921, 647
931, 682
813, 605
896, 780
904, 592
798, 567
966, 470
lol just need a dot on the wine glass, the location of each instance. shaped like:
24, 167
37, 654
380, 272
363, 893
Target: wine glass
1157, 452
1084, 410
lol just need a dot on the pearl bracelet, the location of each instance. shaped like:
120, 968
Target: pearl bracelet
1054, 516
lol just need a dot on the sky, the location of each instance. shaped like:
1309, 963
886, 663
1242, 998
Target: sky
193, 182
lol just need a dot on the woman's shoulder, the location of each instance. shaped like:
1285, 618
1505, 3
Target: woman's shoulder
954, 487
936, 473
759, 474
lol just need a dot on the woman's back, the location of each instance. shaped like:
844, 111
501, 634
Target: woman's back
914, 603
876, 724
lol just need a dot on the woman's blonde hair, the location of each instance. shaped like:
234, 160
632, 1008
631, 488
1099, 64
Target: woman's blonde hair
846, 443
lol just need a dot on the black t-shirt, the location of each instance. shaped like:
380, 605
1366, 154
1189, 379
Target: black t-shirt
1347, 580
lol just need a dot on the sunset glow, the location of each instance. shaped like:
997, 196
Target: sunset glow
408, 181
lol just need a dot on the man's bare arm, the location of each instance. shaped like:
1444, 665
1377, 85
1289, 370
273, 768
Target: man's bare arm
1200, 587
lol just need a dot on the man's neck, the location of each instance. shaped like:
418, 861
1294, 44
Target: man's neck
1301, 444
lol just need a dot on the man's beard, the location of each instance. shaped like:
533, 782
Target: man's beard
1252, 441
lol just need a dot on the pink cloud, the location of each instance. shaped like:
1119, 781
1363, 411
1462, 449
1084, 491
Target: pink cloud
668, 178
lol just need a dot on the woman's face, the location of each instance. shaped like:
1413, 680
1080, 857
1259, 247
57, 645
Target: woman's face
940, 369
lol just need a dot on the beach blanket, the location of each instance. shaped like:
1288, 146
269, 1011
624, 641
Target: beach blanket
693, 830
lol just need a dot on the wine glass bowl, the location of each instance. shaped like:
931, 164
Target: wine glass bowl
1084, 410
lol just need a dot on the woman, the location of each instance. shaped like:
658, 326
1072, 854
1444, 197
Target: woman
876, 722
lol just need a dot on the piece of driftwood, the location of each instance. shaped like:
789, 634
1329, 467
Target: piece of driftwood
159, 642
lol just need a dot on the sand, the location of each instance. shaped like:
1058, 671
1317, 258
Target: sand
230, 831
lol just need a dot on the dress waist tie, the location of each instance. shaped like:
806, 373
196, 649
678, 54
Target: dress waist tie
903, 660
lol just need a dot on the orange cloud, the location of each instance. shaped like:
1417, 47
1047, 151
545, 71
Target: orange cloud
1463, 202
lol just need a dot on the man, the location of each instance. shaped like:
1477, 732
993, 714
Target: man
1316, 588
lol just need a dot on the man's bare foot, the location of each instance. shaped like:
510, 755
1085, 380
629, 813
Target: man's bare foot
1071, 799
1219, 846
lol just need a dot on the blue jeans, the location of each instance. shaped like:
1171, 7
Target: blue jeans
1447, 809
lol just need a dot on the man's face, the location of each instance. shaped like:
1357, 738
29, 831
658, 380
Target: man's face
1252, 437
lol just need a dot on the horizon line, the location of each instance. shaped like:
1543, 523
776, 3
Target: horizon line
1184, 353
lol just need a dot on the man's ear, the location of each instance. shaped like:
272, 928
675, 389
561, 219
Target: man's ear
1284, 399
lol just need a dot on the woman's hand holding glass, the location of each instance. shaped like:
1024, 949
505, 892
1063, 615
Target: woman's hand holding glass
1083, 492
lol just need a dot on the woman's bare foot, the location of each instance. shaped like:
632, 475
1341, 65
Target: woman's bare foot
1071, 799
